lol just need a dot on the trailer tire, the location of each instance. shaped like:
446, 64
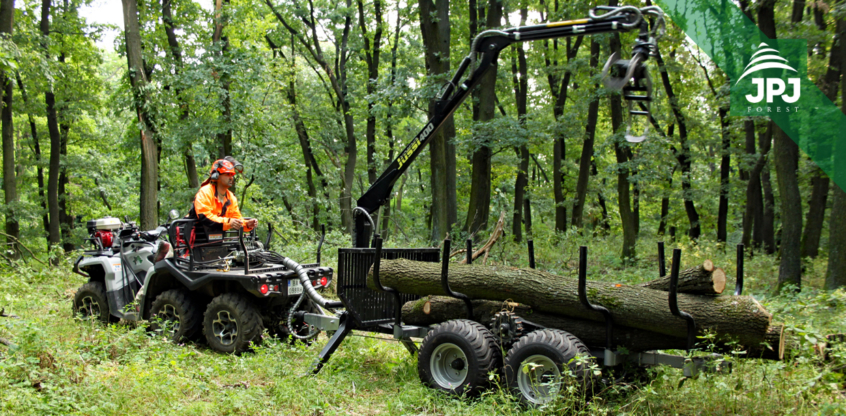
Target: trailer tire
535, 366
90, 302
457, 356
176, 307
230, 323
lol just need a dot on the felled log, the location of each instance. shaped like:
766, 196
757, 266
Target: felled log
773, 346
739, 317
704, 279
436, 309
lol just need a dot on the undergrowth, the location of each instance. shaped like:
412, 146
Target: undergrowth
55, 364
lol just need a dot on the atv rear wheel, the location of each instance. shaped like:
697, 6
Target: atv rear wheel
174, 311
90, 302
231, 323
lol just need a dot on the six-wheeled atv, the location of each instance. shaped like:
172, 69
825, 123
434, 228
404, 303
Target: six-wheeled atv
187, 280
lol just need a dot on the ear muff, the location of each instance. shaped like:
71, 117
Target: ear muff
214, 173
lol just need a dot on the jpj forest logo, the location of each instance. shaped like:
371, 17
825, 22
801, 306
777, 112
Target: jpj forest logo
769, 84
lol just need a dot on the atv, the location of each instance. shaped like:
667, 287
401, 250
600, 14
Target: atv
193, 283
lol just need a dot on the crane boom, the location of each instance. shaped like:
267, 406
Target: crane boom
484, 53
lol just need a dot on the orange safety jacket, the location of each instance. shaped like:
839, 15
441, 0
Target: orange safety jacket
210, 211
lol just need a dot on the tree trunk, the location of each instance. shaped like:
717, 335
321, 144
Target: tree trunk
820, 182
753, 186
623, 186
337, 79
704, 279
816, 215
36, 145
10, 186
65, 219
480, 186
149, 150
432, 310
740, 317
768, 222
835, 275
725, 170
786, 155
559, 87
435, 28
683, 155
520, 79
587, 146
55, 136
221, 42
176, 55
371, 57
436, 309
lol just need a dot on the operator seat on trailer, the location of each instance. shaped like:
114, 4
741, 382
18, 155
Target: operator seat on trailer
202, 240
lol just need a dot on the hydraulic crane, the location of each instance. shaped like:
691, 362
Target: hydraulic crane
627, 75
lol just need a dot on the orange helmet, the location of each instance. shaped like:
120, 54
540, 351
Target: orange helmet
227, 165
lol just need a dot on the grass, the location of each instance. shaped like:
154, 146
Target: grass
59, 365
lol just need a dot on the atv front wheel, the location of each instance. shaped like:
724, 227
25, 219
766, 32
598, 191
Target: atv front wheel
174, 312
90, 303
230, 323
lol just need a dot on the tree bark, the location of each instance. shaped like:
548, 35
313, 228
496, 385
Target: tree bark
55, 136
587, 146
520, 79
371, 58
478, 210
623, 186
432, 310
184, 106
725, 169
592, 333
754, 202
816, 215
835, 275
36, 145
786, 155
435, 28
820, 182
740, 317
149, 149
559, 87
221, 42
683, 155
10, 186
337, 79
704, 279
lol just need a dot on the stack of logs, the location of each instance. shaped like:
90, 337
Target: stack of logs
641, 313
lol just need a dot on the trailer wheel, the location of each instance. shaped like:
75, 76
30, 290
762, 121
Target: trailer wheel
230, 323
457, 356
90, 302
536, 368
175, 309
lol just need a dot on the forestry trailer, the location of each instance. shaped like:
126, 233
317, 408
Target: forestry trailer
456, 356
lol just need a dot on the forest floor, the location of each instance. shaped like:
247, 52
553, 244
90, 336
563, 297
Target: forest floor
59, 365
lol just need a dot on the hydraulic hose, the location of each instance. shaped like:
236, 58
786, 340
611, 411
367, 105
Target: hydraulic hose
307, 287
293, 333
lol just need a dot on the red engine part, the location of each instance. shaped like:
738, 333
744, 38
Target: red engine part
105, 237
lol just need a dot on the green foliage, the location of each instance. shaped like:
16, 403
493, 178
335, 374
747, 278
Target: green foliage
61, 365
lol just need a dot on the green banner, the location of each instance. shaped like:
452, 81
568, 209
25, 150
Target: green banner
768, 78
